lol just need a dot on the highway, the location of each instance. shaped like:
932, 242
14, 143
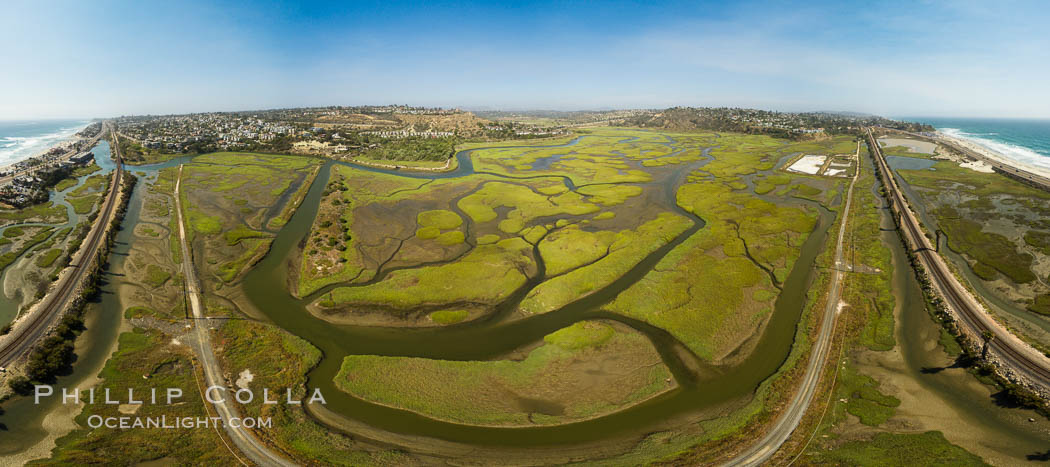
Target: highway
68, 155
256, 451
1036, 179
1039, 180
1014, 353
762, 451
30, 330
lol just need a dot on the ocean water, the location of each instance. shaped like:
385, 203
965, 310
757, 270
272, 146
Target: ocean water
1025, 141
21, 139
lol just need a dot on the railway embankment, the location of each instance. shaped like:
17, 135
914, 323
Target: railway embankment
40, 342
990, 348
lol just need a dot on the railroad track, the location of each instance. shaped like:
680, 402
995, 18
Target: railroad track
1012, 350
1018, 358
26, 335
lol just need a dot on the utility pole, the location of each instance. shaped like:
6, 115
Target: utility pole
853, 248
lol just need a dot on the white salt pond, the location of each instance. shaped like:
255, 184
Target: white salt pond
808, 164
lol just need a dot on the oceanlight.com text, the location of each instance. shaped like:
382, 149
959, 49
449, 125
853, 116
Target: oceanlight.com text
163, 421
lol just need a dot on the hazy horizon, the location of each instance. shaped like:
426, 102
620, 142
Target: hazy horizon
892, 117
914, 118
961, 60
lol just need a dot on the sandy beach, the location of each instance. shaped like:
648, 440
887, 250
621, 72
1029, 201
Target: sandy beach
63, 138
995, 156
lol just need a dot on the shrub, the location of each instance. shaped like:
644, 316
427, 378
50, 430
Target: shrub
20, 385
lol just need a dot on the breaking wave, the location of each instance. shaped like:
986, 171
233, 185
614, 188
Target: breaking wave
17, 148
1010, 151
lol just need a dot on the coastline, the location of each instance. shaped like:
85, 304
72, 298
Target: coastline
993, 155
58, 141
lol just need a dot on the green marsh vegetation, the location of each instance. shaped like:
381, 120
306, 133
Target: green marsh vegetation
583, 371
84, 204
56, 238
277, 360
502, 212
569, 248
93, 184
854, 428
483, 276
894, 449
47, 251
750, 240
39, 236
153, 355
604, 155
438, 224
229, 200
998, 225
47, 259
748, 243
449, 316
580, 272
863, 399
1040, 305
525, 203
66, 183
14, 232
156, 276
145, 359
331, 254
368, 228
87, 195
86, 170
47, 212
1038, 239
713, 291
869, 291
440, 219
241, 232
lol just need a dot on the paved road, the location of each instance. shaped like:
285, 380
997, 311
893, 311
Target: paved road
68, 155
1010, 349
242, 438
1036, 179
792, 416
29, 331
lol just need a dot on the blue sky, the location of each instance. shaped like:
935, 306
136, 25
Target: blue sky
99, 59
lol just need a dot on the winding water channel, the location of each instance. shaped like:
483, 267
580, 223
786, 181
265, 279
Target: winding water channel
12, 300
24, 424
1004, 433
267, 286
995, 300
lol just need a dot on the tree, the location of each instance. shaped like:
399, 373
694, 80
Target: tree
988, 337
20, 385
